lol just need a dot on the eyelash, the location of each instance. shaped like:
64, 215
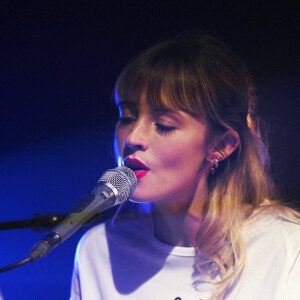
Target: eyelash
162, 129
126, 120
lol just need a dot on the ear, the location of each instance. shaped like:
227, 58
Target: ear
223, 146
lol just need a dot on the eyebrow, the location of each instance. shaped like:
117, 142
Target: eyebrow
157, 109
154, 109
126, 103
174, 114
161, 109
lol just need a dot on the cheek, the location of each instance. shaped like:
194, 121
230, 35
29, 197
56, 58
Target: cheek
171, 158
186, 152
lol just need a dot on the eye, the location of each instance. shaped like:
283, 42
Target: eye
126, 120
164, 129
127, 114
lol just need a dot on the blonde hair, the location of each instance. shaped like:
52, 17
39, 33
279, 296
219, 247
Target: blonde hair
200, 75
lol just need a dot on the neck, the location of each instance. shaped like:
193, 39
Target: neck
178, 226
176, 230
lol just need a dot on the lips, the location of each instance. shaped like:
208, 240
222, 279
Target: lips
139, 169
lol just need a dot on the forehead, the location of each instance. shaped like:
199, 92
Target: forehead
160, 104
137, 107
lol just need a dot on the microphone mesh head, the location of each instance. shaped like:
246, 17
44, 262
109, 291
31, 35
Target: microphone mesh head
123, 180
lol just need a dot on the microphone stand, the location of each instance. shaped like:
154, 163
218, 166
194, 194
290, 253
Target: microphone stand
41, 222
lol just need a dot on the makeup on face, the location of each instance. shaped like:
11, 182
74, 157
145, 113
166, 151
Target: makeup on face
165, 148
139, 169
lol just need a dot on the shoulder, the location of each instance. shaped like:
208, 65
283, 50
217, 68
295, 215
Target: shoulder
272, 232
272, 263
93, 238
273, 221
122, 230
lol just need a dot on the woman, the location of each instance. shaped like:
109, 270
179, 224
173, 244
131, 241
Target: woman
202, 224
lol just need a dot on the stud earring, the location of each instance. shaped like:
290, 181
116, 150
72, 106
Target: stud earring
214, 166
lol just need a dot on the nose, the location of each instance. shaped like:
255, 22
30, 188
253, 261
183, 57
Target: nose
138, 137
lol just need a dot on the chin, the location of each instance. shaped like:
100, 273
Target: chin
141, 195
141, 199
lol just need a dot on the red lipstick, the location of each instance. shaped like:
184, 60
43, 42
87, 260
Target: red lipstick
140, 173
139, 169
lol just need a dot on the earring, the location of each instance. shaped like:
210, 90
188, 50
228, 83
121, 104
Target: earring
223, 154
214, 166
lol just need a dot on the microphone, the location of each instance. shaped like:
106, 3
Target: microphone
113, 188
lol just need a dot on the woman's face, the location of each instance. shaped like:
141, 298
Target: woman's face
166, 149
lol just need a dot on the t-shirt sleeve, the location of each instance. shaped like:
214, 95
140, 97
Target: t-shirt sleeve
293, 284
75, 284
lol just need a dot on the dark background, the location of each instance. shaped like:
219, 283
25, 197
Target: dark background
58, 64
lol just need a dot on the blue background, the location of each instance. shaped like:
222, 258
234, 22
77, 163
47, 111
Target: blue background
48, 177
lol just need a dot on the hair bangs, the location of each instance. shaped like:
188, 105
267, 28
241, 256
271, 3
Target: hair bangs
163, 83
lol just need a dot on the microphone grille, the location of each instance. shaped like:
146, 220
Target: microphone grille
123, 180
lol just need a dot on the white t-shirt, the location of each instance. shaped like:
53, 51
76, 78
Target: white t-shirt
128, 262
